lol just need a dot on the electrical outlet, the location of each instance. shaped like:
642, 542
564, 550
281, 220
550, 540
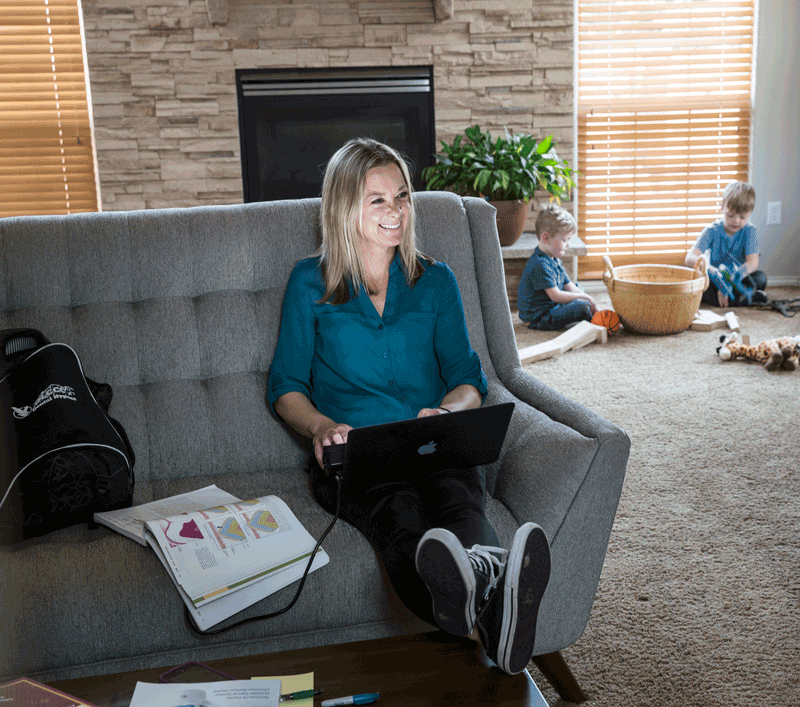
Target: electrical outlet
773, 213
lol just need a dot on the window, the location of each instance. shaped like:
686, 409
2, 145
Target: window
664, 96
47, 163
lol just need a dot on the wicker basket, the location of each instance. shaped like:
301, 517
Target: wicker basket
656, 299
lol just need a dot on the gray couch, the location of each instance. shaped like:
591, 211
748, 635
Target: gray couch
178, 310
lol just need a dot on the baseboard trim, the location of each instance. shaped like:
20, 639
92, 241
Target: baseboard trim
782, 281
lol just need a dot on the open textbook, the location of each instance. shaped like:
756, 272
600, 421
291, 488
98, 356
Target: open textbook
223, 554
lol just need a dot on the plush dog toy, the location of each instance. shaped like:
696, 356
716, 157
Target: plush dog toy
773, 353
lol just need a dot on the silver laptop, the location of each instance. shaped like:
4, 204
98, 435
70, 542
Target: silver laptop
399, 450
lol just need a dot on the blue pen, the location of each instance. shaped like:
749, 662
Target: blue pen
366, 699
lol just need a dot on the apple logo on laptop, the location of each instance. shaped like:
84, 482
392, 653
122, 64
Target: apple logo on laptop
429, 448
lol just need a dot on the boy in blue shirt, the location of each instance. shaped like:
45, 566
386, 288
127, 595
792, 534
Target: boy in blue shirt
547, 299
731, 241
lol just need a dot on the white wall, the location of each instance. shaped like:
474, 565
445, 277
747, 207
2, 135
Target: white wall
775, 162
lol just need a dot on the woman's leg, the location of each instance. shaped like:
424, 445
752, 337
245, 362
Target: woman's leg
455, 500
393, 518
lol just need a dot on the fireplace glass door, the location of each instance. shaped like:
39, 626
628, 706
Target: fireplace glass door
292, 121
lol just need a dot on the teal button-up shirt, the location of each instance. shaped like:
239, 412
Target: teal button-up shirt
359, 368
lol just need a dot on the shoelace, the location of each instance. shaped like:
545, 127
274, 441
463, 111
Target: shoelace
486, 560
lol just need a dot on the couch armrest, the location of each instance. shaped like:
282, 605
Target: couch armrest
564, 470
557, 406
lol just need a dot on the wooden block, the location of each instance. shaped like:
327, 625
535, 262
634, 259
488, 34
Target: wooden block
578, 336
708, 316
706, 320
733, 322
539, 352
581, 334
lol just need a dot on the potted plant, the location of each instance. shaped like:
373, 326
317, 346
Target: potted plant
507, 172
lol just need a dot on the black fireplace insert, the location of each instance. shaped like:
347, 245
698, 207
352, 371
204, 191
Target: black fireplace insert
292, 120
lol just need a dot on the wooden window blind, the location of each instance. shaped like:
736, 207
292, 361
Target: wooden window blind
664, 96
47, 163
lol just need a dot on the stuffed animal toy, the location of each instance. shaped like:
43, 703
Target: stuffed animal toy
773, 353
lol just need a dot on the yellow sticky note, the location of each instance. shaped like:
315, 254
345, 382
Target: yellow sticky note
294, 683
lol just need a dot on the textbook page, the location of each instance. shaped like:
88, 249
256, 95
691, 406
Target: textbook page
218, 551
130, 521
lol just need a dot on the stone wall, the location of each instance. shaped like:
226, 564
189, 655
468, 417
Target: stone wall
164, 94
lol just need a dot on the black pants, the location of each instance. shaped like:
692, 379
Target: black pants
757, 280
395, 515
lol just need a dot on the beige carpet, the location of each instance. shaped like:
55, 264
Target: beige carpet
699, 600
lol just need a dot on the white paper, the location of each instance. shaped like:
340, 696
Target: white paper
226, 693
130, 521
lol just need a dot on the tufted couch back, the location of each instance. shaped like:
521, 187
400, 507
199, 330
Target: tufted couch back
179, 311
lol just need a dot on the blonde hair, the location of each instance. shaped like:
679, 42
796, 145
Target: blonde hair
739, 197
340, 214
554, 220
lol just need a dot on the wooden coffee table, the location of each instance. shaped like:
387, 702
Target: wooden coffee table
421, 670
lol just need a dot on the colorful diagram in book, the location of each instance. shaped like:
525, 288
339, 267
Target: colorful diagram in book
261, 523
180, 531
225, 528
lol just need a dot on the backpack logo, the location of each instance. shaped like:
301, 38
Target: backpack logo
52, 392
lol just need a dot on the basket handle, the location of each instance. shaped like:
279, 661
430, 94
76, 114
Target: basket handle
701, 268
608, 275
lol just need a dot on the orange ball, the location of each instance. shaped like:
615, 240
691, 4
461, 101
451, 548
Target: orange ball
607, 318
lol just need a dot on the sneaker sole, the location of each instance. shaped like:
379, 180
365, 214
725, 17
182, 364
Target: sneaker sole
446, 571
527, 574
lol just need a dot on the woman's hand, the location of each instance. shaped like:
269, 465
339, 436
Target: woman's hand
332, 434
429, 412
298, 412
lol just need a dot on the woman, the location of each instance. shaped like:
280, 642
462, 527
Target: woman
373, 331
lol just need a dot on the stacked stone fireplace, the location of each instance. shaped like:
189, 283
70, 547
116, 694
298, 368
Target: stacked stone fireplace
163, 77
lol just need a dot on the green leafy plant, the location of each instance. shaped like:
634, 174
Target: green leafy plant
510, 168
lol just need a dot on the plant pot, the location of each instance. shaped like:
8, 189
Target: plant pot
511, 217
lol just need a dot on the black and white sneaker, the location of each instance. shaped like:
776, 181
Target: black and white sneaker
460, 580
507, 624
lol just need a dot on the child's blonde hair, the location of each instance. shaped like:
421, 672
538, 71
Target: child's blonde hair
739, 197
554, 220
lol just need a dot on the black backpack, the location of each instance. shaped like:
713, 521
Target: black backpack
62, 457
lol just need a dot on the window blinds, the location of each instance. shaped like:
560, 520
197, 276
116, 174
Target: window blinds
46, 157
664, 95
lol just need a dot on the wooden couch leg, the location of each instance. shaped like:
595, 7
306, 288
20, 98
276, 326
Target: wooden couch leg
555, 669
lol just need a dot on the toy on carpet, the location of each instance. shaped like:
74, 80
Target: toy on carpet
706, 320
582, 334
731, 282
783, 352
607, 318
